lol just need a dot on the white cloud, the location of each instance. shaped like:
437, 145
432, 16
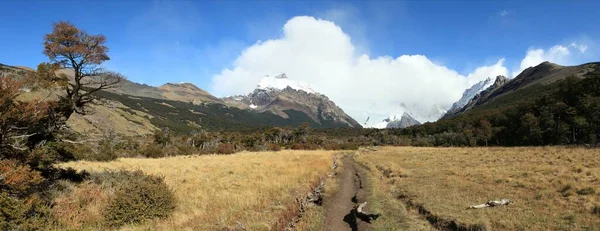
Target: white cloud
560, 54
504, 13
320, 53
581, 47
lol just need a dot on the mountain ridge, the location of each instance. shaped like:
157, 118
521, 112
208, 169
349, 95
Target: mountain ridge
530, 79
279, 93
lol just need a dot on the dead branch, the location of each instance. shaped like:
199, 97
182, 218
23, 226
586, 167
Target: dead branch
492, 204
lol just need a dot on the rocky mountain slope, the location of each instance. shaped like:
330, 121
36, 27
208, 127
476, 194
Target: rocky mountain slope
280, 95
528, 84
477, 91
469, 94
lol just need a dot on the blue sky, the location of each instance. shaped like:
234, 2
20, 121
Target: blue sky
155, 42
203, 42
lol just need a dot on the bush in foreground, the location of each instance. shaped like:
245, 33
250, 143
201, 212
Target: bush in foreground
225, 149
138, 197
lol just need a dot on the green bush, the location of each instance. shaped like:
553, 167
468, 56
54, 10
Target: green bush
153, 151
586, 191
23, 214
185, 150
105, 153
138, 197
67, 151
349, 146
80, 152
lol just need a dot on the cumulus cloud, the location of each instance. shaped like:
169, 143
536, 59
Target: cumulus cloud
320, 53
560, 54
581, 47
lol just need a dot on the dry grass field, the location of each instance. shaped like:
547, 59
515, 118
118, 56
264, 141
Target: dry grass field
248, 190
553, 188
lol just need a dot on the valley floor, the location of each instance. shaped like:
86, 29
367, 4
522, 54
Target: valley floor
245, 191
553, 188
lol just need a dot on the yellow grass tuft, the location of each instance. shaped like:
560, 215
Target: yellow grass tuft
249, 190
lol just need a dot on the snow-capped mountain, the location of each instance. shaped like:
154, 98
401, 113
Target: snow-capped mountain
395, 121
281, 81
403, 122
475, 92
292, 100
470, 93
402, 118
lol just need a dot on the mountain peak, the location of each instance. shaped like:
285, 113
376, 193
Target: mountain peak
500, 80
474, 90
281, 81
281, 76
181, 84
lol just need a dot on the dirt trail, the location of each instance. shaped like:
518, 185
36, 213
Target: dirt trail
338, 207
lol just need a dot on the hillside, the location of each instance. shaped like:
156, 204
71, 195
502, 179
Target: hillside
532, 82
546, 104
138, 109
187, 92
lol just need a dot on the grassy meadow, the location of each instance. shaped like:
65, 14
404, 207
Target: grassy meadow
251, 191
553, 188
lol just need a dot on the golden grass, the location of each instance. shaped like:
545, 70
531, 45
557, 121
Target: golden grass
395, 215
250, 190
554, 188
314, 218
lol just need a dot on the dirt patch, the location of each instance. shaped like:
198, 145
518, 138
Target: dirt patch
340, 207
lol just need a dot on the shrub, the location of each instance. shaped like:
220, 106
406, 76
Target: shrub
138, 197
153, 151
185, 150
80, 152
66, 151
79, 206
566, 190
225, 149
23, 214
310, 146
274, 147
586, 191
105, 153
596, 210
18, 179
349, 146
331, 146
297, 146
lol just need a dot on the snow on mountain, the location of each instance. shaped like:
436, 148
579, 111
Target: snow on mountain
470, 93
280, 82
395, 121
289, 98
403, 122
401, 118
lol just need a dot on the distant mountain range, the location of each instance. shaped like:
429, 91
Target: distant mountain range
136, 108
